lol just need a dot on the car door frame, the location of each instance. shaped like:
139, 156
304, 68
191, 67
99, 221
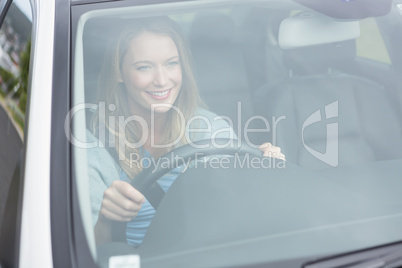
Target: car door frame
4, 7
11, 224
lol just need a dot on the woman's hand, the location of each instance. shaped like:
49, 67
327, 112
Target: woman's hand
121, 202
271, 151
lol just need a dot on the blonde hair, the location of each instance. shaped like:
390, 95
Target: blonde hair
113, 92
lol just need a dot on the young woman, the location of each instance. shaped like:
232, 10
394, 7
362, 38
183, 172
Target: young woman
147, 85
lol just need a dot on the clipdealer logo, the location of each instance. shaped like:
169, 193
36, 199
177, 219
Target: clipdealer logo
330, 156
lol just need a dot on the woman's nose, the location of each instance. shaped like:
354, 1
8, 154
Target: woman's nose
161, 77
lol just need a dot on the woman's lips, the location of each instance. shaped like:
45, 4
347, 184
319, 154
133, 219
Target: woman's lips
160, 95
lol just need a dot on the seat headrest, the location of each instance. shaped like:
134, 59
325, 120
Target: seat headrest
317, 59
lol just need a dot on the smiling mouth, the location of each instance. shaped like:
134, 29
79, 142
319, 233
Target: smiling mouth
160, 94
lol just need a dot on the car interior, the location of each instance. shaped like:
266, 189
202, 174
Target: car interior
245, 68
234, 78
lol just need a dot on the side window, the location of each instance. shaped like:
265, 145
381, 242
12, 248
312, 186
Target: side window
370, 44
15, 33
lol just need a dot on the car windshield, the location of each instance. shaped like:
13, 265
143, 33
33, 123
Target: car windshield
225, 133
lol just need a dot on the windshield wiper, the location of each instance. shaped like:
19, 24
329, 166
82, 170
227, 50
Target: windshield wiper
371, 258
380, 261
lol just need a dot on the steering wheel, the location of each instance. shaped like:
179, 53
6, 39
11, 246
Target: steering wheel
146, 180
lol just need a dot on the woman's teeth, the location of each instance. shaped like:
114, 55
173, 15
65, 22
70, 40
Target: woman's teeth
159, 93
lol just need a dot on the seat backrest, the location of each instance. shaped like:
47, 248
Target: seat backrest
219, 65
367, 126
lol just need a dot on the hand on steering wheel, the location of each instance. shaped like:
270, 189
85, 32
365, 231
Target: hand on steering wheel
146, 181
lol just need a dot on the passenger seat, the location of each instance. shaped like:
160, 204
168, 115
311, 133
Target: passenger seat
368, 128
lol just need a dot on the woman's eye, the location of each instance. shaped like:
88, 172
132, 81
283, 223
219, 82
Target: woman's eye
173, 63
144, 68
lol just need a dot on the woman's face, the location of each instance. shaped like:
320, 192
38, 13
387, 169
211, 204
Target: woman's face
151, 72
